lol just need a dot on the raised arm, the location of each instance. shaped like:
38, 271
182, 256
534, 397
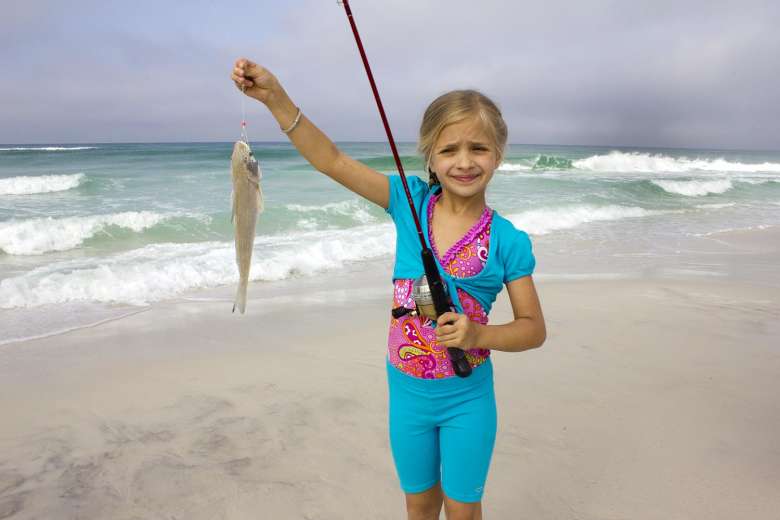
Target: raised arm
258, 83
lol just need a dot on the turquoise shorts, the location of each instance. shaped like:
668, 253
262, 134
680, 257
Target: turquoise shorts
443, 429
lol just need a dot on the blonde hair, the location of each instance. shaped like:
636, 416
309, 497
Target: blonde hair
453, 107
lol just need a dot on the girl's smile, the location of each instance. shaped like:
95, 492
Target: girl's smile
467, 179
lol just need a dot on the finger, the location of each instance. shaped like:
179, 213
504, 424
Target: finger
451, 343
249, 68
241, 82
446, 338
445, 329
256, 73
447, 317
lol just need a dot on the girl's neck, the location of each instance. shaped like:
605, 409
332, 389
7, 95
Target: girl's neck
462, 207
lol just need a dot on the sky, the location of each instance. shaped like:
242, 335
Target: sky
683, 74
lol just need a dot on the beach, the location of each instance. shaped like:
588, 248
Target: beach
653, 397
625, 157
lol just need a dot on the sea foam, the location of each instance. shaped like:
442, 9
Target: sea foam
161, 271
694, 188
647, 163
42, 235
514, 167
29, 185
545, 220
46, 148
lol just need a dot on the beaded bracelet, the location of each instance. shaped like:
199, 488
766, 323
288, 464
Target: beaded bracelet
294, 123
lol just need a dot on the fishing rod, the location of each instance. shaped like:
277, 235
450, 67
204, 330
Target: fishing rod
441, 300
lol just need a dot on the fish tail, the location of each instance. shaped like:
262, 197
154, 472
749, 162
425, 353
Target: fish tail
240, 301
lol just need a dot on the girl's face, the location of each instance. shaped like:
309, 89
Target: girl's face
464, 159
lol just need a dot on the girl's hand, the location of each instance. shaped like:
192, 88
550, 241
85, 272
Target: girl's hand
255, 81
457, 330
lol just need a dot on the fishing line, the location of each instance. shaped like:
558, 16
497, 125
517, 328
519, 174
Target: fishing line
244, 136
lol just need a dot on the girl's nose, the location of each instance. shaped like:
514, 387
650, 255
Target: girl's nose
464, 160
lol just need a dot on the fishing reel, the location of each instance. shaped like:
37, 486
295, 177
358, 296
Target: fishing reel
423, 298
425, 306
423, 301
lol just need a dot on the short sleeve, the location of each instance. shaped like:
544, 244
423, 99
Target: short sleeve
519, 257
417, 187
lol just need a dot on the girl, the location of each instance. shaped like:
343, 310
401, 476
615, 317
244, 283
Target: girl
442, 427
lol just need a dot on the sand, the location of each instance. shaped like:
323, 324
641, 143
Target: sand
651, 399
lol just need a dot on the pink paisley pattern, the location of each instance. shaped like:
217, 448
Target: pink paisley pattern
412, 340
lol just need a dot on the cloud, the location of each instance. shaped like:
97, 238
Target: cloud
693, 74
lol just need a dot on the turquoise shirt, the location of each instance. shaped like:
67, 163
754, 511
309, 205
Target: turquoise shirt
510, 255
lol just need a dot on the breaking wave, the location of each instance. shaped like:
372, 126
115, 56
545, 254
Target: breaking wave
46, 148
540, 162
694, 188
42, 235
754, 182
515, 167
40, 184
354, 209
545, 220
161, 271
717, 206
646, 163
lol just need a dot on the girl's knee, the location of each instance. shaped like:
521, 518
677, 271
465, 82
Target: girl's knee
456, 510
425, 505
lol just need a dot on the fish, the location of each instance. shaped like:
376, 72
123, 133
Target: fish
247, 204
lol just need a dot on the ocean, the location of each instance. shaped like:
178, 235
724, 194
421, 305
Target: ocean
91, 231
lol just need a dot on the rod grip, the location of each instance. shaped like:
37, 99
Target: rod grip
442, 304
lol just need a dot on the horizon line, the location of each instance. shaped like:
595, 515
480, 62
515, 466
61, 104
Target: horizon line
643, 147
